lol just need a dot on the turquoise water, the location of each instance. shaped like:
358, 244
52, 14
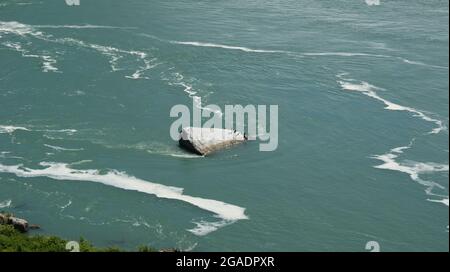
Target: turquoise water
85, 95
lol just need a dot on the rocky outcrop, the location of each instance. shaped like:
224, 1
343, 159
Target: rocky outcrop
18, 223
204, 141
3, 219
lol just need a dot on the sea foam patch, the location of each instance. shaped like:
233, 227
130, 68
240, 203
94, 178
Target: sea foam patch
61, 171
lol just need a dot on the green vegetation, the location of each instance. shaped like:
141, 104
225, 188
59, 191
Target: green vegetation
12, 240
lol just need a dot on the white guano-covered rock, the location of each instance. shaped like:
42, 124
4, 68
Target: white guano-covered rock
204, 141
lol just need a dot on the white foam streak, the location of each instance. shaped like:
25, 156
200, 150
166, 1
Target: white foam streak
183, 156
68, 131
229, 47
114, 54
311, 54
422, 64
87, 26
7, 155
48, 63
250, 50
58, 148
370, 90
11, 129
5, 204
62, 171
148, 64
414, 170
443, 201
390, 162
177, 79
19, 3
345, 54
66, 206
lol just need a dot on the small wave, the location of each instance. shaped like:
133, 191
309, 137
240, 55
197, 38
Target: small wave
62, 171
370, 90
5, 204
